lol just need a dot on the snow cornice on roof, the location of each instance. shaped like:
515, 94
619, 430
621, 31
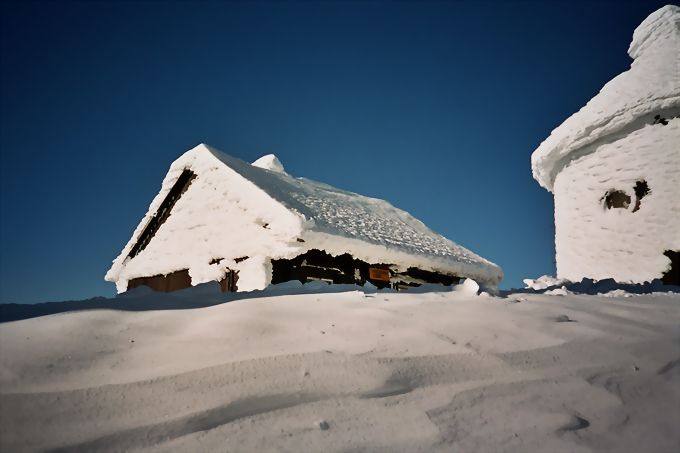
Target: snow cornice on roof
626, 103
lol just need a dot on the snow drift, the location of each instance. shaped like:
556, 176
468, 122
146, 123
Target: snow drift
351, 371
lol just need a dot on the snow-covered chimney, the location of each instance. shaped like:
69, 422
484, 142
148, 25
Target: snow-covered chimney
269, 162
660, 30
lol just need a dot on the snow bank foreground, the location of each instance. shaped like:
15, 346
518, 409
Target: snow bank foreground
350, 371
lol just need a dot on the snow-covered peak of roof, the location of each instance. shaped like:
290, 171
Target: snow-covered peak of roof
662, 27
269, 162
628, 102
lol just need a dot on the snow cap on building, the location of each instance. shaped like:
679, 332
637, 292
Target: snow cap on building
651, 86
662, 27
229, 215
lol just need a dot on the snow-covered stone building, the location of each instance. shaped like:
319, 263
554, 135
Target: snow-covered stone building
614, 167
218, 218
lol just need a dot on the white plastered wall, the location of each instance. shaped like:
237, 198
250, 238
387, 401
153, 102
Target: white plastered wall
596, 242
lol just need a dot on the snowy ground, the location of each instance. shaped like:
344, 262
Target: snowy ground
347, 371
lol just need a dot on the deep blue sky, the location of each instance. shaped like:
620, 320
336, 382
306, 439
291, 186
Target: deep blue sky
435, 107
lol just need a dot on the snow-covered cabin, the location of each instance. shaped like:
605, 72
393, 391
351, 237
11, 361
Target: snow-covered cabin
614, 167
218, 218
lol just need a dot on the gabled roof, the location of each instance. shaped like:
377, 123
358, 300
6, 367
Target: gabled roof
627, 102
292, 215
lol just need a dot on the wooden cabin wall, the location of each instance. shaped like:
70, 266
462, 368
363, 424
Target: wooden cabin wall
164, 283
228, 283
180, 280
319, 265
312, 265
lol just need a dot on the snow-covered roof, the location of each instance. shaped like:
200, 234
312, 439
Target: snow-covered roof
651, 86
234, 209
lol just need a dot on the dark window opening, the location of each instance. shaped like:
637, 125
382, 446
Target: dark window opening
616, 199
181, 185
658, 119
314, 265
641, 190
432, 277
415, 277
319, 265
619, 199
672, 275
164, 283
219, 260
